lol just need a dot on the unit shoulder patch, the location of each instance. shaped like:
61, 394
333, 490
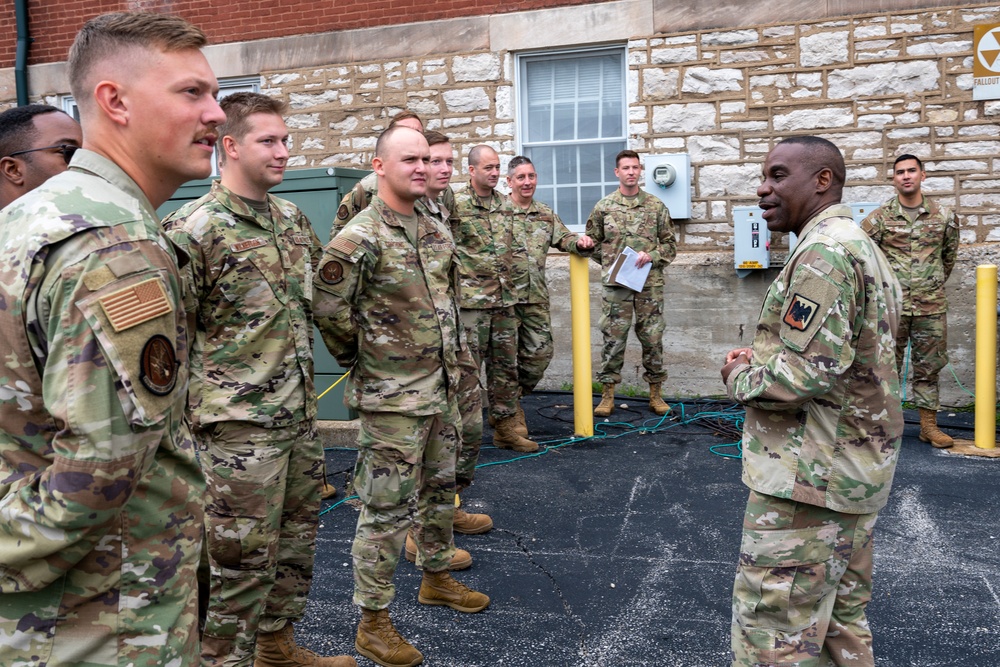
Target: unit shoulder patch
158, 365
800, 313
332, 272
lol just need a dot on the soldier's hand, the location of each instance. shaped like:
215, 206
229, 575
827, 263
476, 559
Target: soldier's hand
643, 259
584, 243
735, 358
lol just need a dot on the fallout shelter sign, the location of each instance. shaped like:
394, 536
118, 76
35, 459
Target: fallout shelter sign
986, 65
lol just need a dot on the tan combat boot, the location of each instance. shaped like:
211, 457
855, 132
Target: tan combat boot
327, 491
379, 641
656, 403
278, 649
460, 561
929, 431
440, 588
505, 437
607, 404
520, 425
472, 524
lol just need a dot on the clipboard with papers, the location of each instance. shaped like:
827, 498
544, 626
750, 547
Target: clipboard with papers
624, 272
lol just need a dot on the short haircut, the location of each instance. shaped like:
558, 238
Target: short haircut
17, 127
822, 153
238, 108
382, 143
907, 156
476, 152
517, 161
625, 154
434, 137
403, 115
112, 36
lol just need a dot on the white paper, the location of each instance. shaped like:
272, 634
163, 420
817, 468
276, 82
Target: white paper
629, 275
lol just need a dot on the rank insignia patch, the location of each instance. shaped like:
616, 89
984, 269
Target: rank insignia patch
158, 365
332, 272
136, 304
800, 313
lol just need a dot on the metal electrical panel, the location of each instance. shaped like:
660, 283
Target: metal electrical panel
751, 240
668, 178
859, 212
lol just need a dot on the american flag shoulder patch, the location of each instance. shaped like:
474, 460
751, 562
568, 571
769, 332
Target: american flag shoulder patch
136, 304
345, 246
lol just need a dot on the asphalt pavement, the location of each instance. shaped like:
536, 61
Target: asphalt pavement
621, 551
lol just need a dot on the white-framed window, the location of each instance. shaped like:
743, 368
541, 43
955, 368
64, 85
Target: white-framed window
572, 121
247, 84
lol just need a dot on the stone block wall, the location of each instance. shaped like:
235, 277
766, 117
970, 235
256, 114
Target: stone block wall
877, 85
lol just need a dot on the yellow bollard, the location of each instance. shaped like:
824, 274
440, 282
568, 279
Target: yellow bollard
583, 393
986, 355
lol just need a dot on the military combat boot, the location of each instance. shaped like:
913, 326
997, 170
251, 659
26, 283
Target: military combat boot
521, 427
472, 524
460, 561
656, 403
379, 641
440, 588
505, 437
607, 404
278, 649
929, 431
520, 424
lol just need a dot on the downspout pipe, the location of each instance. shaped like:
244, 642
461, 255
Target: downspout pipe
21, 59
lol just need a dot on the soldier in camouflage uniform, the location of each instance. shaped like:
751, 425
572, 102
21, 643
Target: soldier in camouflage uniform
37, 142
920, 240
470, 401
252, 400
823, 424
482, 224
633, 218
100, 491
536, 229
386, 306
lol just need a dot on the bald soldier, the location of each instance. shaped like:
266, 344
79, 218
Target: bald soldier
386, 304
483, 228
823, 424
100, 490
37, 141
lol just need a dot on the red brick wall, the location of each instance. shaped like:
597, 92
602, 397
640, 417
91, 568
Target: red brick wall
53, 23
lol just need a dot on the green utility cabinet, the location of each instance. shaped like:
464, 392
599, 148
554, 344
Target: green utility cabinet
317, 192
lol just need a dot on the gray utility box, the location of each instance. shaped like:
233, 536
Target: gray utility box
317, 192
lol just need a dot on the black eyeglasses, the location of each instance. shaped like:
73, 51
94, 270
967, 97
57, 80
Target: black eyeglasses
66, 150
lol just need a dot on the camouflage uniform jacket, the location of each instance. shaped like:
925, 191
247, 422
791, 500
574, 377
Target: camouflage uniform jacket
387, 310
100, 491
824, 421
484, 235
358, 198
251, 293
536, 229
642, 223
922, 253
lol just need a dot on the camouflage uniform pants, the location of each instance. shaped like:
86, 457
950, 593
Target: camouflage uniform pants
470, 406
534, 343
405, 473
260, 523
617, 309
492, 337
802, 585
928, 336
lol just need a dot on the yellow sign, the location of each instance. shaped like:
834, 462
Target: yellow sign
750, 264
986, 64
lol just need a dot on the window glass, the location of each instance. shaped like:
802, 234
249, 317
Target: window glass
572, 124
